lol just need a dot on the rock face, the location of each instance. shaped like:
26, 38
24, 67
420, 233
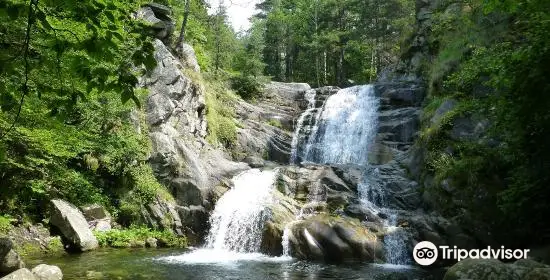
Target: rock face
494, 269
181, 158
9, 259
47, 272
267, 125
312, 203
73, 226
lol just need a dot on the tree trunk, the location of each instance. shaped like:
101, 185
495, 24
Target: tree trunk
181, 37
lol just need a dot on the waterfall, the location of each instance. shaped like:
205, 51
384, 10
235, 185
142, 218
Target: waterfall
309, 96
342, 132
238, 218
345, 127
237, 223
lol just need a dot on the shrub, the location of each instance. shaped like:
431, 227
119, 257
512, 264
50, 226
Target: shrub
246, 87
137, 236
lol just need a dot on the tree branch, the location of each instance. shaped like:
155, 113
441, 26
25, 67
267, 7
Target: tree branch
25, 87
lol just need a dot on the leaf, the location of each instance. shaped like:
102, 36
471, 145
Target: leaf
110, 16
126, 95
43, 19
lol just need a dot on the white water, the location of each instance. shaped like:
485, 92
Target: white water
238, 218
342, 133
373, 198
237, 223
345, 128
309, 96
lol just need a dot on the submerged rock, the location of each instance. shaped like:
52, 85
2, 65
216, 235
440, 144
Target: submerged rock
73, 226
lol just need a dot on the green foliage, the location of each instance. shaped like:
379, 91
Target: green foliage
247, 87
327, 42
275, 123
5, 224
220, 114
492, 57
137, 236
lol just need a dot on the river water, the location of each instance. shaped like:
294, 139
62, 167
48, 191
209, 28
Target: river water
163, 264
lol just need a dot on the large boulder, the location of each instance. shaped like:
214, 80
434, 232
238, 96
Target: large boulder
72, 225
9, 259
333, 239
47, 272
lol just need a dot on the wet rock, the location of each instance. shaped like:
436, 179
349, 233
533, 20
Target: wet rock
73, 226
195, 219
20, 274
333, 240
282, 212
399, 125
47, 272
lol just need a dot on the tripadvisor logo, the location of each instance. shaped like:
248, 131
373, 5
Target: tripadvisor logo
426, 253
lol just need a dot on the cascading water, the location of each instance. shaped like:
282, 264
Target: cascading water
237, 222
239, 215
342, 132
345, 128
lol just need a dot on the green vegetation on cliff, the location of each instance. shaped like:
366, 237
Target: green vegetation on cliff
490, 149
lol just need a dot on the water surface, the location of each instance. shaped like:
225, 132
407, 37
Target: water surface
172, 264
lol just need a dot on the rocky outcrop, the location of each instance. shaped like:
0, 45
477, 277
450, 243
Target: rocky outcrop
9, 259
181, 158
72, 225
495, 269
158, 16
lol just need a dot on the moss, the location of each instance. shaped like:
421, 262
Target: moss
275, 123
5, 224
32, 249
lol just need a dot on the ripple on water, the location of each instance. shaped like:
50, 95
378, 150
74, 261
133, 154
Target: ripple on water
214, 256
